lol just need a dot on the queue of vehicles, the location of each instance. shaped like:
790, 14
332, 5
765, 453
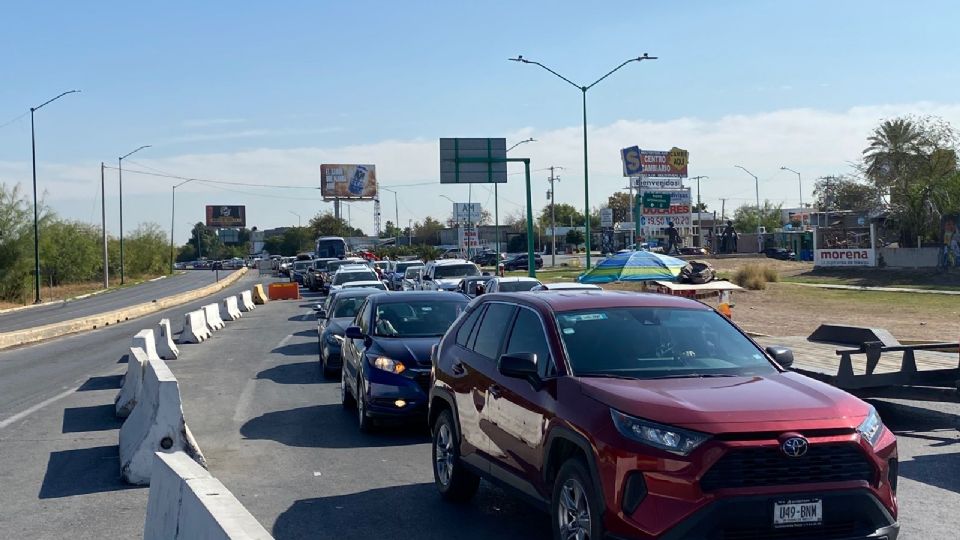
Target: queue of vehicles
624, 415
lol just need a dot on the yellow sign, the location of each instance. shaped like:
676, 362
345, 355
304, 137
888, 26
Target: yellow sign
678, 159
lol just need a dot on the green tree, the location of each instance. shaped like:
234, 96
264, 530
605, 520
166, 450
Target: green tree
575, 237
147, 251
619, 202
16, 244
565, 214
327, 224
70, 252
746, 217
427, 231
833, 193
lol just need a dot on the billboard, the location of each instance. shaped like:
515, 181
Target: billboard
845, 257
658, 208
477, 171
226, 216
654, 163
348, 181
466, 212
468, 237
606, 217
655, 183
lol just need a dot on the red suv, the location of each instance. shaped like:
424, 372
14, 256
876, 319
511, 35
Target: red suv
650, 416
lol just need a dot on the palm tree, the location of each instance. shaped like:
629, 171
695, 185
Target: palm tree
892, 149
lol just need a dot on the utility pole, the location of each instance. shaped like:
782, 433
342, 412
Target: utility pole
553, 219
103, 225
699, 210
723, 209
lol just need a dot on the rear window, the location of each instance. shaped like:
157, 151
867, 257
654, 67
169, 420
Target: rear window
347, 307
517, 286
347, 277
455, 270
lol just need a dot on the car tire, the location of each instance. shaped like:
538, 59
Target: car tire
453, 480
364, 422
576, 503
328, 372
346, 398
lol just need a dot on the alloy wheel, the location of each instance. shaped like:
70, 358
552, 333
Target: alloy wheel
444, 453
574, 511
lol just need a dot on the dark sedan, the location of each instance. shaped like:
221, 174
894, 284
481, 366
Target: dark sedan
520, 262
386, 353
468, 285
333, 317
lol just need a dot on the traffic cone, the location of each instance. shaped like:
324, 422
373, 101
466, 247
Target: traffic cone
726, 305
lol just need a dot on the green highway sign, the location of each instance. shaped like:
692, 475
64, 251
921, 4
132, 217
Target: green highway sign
656, 200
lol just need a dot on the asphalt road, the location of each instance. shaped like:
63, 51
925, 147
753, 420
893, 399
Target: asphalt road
59, 469
274, 433
108, 301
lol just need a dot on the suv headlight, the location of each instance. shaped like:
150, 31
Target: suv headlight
672, 439
389, 364
871, 428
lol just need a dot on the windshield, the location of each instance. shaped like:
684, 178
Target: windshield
347, 277
455, 271
412, 272
402, 267
301, 265
426, 318
366, 285
347, 307
649, 343
517, 286
320, 265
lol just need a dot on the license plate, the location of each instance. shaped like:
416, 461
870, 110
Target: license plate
797, 513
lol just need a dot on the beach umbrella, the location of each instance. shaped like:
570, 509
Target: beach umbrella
634, 266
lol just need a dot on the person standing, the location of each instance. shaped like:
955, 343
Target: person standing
673, 239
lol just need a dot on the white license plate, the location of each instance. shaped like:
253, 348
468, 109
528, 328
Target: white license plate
797, 513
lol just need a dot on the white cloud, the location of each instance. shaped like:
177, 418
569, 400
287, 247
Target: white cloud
207, 122
814, 142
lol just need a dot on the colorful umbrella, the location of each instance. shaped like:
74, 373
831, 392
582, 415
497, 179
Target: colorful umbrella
634, 266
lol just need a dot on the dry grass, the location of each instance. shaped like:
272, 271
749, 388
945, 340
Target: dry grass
755, 276
72, 290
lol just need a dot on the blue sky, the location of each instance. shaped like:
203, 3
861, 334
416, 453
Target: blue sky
259, 92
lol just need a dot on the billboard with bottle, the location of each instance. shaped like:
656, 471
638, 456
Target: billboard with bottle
348, 181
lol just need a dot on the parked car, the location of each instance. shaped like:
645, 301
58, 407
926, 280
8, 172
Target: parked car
313, 279
521, 261
333, 316
284, 267
487, 258
298, 271
641, 416
566, 287
510, 284
333, 266
386, 353
349, 273
445, 275
412, 279
397, 270
372, 284
471, 286
782, 254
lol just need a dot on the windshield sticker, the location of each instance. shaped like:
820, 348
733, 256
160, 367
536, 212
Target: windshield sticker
580, 317
568, 331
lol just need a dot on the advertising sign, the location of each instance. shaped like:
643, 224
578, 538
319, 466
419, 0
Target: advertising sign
348, 181
845, 257
606, 217
483, 161
656, 183
466, 212
468, 237
226, 216
678, 210
654, 163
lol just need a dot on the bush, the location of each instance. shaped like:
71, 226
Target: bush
755, 276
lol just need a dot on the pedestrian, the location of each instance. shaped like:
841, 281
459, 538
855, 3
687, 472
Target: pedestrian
729, 238
673, 239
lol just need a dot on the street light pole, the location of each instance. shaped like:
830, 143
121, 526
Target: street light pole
756, 183
457, 221
173, 208
396, 217
36, 212
699, 210
496, 201
583, 90
120, 182
299, 230
800, 185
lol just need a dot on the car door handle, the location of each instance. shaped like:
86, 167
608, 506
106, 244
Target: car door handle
495, 391
458, 369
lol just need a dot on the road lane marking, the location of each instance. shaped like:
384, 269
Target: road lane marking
28, 411
243, 403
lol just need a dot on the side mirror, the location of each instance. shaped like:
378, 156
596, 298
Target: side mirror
520, 366
782, 355
353, 332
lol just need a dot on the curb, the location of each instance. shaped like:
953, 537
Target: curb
81, 297
92, 322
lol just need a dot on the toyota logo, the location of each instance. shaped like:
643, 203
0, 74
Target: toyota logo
794, 446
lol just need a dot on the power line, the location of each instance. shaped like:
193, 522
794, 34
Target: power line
8, 122
210, 180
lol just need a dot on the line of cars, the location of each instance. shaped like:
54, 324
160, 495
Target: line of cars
623, 415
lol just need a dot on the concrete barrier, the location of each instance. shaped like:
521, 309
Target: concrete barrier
284, 291
259, 297
212, 313
187, 502
145, 340
195, 328
231, 308
246, 301
129, 393
92, 322
166, 348
155, 425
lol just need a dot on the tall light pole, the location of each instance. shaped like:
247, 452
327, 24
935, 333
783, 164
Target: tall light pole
396, 216
496, 204
800, 185
756, 184
120, 175
553, 218
583, 90
299, 230
36, 213
173, 207
699, 224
